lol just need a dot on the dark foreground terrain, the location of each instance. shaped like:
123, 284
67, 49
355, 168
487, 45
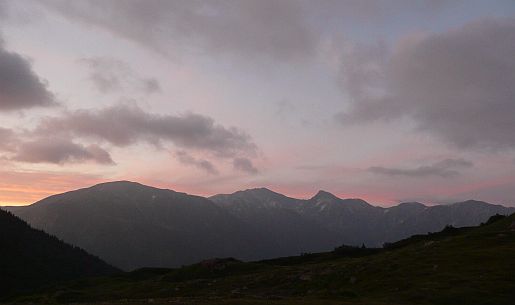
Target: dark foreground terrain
456, 266
31, 258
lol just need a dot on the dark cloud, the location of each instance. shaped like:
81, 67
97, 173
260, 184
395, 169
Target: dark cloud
60, 151
276, 29
22, 147
110, 75
150, 85
202, 164
20, 87
244, 165
445, 168
123, 125
457, 85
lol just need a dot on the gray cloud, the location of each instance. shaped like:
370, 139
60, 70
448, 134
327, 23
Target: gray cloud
123, 125
275, 29
60, 151
22, 147
457, 85
445, 168
244, 165
7, 139
202, 164
20, 87
110, 75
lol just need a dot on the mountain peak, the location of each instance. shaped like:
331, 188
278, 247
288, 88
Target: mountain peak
323, 195
471, 202
261, 190
411, 204
120, 183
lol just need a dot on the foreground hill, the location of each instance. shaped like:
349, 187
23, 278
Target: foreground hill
30, 258
456, 266
132, 225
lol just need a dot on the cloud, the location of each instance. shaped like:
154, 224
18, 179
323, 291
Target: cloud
24, 147
7, 139
244, 165
266, 28
202, 164
20, 87
457, 85
54, 140
123, 125
110, 75
445, 168
60, 151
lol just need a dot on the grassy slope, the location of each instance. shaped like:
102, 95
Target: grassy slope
465, 266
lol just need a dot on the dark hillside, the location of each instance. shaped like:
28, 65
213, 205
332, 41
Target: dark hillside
473, 266
31, 258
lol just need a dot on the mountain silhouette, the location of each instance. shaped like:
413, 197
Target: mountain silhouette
131, 225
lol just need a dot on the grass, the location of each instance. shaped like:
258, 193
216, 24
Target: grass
456, 266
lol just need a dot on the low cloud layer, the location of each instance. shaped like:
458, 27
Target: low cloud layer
123, 125
59, 139
60, 151
110, 75
20, 87
445, 168
23, 147
202, 164
457, 85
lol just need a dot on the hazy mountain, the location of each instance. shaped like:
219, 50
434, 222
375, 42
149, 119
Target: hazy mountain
354, 221
131, 225
30, 258
275, 215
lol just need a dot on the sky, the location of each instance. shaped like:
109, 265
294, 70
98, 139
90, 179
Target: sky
388, 101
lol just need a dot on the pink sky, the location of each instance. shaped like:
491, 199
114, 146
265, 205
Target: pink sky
395, 102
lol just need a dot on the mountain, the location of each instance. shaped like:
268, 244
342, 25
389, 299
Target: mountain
131, 225
472, 265
274, 214
354, 221
30, 258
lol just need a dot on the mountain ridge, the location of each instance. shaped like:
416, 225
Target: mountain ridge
131, 225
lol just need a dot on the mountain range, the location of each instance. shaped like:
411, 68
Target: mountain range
131, 225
